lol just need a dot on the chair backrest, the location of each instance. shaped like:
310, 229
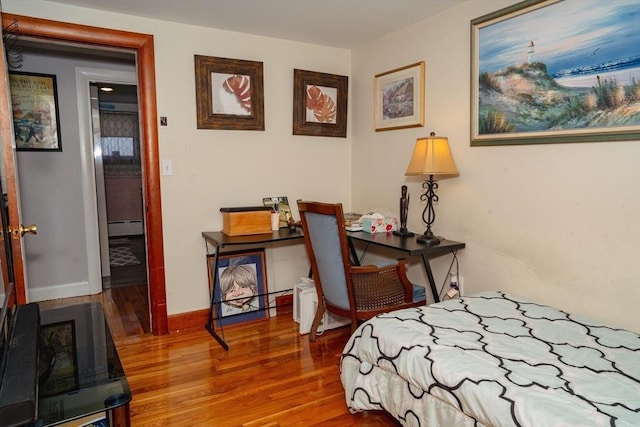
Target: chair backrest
326, 242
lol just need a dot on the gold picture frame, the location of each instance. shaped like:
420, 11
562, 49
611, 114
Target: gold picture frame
399, 98
319, 104
229, 93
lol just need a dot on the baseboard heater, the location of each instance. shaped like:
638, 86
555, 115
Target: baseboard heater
129, 227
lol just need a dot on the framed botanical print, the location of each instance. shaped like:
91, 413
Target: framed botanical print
319, 104
229, 93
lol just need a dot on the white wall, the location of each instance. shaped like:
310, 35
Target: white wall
556, 223
214, 168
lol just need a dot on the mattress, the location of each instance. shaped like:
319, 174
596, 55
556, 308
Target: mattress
493, 359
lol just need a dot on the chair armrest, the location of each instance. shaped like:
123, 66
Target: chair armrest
378, 288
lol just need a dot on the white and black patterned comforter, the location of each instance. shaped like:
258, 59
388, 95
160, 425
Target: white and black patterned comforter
493, 359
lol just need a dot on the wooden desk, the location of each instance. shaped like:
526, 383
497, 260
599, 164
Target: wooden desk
217, 240
407, 245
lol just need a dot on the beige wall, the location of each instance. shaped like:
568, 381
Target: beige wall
214, 169
556, 223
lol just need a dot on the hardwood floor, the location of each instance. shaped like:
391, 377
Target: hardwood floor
271, 375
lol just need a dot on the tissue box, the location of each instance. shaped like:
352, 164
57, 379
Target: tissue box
379, 225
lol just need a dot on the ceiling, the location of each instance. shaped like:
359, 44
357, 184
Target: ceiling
337, 23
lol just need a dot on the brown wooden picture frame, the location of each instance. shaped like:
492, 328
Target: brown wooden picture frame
319, 104
229, 93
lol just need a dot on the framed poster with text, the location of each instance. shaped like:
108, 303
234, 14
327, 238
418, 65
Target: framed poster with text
34, 102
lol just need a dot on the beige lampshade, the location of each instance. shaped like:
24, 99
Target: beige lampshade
432, 156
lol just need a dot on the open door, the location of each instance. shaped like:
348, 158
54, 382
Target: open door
10, 179
5, 254
142, 46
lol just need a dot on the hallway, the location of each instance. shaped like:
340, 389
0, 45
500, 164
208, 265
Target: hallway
128, 262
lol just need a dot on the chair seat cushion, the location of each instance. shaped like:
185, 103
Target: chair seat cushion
419, 293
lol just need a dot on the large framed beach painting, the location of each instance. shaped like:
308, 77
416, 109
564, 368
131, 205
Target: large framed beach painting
546, 71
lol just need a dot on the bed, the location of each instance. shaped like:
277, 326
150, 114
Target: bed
493, 359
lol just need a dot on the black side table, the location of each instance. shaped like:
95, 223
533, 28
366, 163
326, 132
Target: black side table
87, 378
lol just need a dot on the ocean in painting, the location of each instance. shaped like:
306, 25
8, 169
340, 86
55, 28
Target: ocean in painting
624, 72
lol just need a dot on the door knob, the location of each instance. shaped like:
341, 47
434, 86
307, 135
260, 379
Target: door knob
33, 229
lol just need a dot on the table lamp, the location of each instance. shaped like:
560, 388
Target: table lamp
431, 157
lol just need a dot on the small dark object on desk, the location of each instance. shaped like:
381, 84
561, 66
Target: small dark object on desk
292, 224
404, 212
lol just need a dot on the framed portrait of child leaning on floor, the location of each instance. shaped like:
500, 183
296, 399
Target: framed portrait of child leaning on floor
241, 294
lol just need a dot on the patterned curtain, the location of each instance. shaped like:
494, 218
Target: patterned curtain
120, 140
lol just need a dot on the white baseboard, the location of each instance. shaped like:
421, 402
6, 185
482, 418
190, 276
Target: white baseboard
59, 291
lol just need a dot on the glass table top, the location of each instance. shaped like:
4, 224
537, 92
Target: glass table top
80, 371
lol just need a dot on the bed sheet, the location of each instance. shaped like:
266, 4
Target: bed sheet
493, 359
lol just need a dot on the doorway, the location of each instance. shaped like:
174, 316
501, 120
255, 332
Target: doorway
141, 45
118, 170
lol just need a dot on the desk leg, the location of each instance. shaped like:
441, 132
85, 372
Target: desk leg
354, 254
212, 306
218, 338
432, 281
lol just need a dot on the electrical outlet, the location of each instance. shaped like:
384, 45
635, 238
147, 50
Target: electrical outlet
453, 280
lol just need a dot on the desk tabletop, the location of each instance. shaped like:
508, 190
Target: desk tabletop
408, 245
87, 376
221, 239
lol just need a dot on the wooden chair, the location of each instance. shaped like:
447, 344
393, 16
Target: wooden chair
355, 292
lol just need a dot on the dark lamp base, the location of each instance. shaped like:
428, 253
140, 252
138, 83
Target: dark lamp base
429, 240
403, 233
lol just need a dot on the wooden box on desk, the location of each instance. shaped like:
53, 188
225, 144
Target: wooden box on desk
246, 220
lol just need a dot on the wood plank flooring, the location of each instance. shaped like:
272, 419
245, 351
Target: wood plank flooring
271, 375
125, 308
